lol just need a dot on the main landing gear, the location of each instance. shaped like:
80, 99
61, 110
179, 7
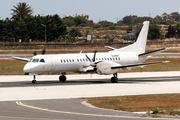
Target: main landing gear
62, 78
114, 79
34, 81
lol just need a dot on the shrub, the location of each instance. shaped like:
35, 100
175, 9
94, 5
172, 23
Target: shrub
98, 37
155, 111
112, 27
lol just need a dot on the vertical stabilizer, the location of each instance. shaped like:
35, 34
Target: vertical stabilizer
139, 45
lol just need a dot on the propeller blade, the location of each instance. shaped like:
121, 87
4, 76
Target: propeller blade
94, 58
43, 51
88, 58
35, 53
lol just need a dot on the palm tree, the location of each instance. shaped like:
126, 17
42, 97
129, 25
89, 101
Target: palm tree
21, 11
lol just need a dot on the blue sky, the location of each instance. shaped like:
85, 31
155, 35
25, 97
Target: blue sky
109, 10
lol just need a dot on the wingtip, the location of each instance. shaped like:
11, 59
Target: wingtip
166, 61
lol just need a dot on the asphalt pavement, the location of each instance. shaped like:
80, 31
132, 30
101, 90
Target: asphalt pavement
52, 100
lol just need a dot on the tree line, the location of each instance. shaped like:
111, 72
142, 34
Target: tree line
32, 28
165, 19
23, 25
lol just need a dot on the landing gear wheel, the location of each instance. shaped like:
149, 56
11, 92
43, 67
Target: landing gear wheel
62, 78
114, 79
33, 81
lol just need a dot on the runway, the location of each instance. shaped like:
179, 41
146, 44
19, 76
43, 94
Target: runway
50, 99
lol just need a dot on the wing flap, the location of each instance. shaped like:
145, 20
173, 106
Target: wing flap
135, 65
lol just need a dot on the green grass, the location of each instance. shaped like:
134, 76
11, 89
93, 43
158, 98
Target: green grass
11, 67
158, 104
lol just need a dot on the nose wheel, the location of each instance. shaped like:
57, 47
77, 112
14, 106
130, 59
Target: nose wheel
34, 81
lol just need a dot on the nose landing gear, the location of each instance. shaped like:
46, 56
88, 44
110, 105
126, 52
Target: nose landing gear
34, 81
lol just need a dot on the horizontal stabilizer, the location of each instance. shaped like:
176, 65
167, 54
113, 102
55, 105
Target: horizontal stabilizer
152, 52
110, 47
135, 65
22, 59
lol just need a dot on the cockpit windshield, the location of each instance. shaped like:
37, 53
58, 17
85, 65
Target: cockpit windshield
35, 60
30, 60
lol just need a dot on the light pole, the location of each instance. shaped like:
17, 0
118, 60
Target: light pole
45, 32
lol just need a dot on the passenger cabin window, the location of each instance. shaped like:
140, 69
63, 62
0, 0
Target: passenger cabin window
42, 60
35, 60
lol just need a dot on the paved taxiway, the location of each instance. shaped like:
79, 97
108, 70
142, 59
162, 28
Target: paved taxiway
53, 100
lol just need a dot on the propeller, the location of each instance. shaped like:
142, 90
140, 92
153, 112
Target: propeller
94, 58
92, 62
35, 53
43, 52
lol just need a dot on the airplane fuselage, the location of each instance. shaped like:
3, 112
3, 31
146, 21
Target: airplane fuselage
76, 62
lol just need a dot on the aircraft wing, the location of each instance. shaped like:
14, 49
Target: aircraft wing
135, 65
22, 59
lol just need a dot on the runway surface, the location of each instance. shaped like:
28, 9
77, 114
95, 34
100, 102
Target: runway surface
50, 99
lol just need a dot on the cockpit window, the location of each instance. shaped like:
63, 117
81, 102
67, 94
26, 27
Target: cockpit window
30, 60
35, 60
42, 60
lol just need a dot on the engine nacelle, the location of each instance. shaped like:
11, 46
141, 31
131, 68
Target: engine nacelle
104, 67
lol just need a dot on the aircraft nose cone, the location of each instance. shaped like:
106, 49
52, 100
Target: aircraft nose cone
27, 68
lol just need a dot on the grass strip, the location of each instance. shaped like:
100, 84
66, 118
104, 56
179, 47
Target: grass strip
158, 104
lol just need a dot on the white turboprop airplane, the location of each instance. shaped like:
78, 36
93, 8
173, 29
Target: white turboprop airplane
103, 63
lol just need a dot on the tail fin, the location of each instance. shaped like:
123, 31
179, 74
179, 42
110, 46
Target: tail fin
139, 45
